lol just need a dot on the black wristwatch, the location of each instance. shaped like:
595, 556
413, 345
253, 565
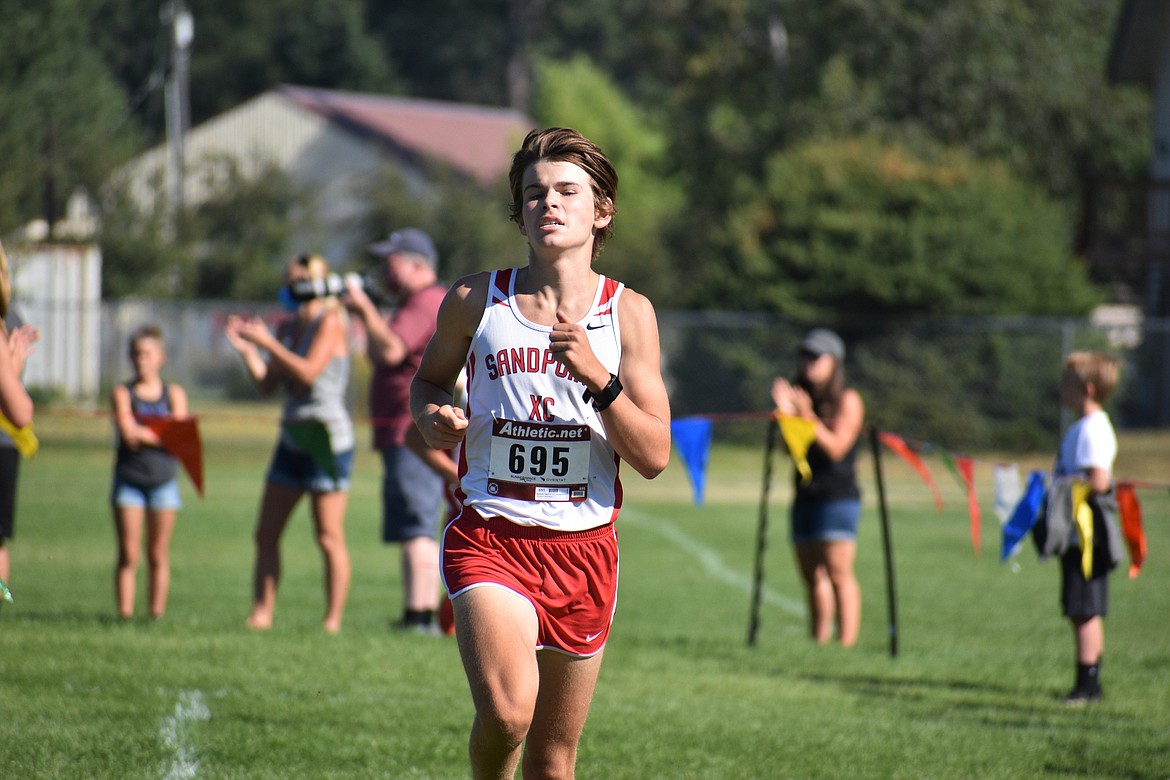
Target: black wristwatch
606, 396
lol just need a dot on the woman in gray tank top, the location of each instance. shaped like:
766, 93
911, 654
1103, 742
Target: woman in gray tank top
308, 358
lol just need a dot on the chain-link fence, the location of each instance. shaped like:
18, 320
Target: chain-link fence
971, 382
962, 382
199, 356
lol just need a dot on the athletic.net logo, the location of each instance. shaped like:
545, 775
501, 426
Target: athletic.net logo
538, 461
538, 432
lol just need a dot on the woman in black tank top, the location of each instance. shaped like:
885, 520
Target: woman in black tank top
146, 490
827, 506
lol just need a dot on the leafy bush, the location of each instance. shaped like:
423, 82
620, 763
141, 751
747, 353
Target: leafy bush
855, 229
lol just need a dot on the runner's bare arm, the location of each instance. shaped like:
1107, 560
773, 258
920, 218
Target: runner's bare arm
637, 423
442, 424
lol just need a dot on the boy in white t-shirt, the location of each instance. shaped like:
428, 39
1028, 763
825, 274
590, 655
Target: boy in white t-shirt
1087, 452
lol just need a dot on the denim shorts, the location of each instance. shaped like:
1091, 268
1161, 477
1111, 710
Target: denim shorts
299, 470
164, 496
825, 521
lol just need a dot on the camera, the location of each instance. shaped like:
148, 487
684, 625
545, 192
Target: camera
308, 289
335, 284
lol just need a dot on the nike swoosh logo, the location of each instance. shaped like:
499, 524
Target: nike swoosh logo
594, 325
591, 637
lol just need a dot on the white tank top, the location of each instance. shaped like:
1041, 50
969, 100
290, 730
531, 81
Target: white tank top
535, 452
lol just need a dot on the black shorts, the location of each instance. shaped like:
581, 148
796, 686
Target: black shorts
9, 470
1081, 598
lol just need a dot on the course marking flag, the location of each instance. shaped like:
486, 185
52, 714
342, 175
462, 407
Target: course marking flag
1083, 516
1007, 489
313, 437
963, 468
1024, 516
899, 445
798, 434
1131, 526
967, 469
181, 439
692, 437
23, 438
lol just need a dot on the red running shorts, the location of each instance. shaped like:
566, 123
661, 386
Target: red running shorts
569, 578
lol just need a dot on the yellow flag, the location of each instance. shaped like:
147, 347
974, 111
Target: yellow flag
24, 438
799, 434
1083, 515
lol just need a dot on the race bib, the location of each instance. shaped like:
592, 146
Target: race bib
538, 461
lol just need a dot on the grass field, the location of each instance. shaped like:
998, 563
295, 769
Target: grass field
973, 692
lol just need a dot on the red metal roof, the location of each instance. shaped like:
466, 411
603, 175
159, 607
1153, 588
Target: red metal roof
477, 141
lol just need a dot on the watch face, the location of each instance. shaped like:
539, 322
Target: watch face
608, 394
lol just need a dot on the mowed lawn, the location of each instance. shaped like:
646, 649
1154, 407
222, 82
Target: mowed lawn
983, 654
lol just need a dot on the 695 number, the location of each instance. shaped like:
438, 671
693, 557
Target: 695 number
536, 460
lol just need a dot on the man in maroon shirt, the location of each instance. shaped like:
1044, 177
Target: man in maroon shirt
412, 492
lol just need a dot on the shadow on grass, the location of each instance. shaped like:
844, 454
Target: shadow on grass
1073, 760
12, 615
908, 687
986, 703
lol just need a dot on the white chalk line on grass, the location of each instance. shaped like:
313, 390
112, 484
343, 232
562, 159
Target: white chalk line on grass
176, 737
710, 560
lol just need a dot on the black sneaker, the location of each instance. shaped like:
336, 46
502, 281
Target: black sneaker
426, 629
1079, 697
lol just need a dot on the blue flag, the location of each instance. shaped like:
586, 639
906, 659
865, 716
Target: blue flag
692, 438
1024, 515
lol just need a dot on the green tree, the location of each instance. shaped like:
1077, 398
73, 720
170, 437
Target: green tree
244, 47
860, 228
63, 121
241, 48
1023, 83
468, 223
233, 244
649, 197
139, 256
465, 58
241, 235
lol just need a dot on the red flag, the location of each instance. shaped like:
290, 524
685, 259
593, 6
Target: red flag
898, 445
181, 439
967, 469
1131, 526
964, 470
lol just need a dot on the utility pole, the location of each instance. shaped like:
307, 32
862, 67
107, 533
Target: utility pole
175, 15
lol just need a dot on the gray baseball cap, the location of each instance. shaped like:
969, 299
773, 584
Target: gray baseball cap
822, 341
409, 239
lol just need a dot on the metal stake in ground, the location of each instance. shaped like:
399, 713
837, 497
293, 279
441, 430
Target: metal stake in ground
891, 588
762, 535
